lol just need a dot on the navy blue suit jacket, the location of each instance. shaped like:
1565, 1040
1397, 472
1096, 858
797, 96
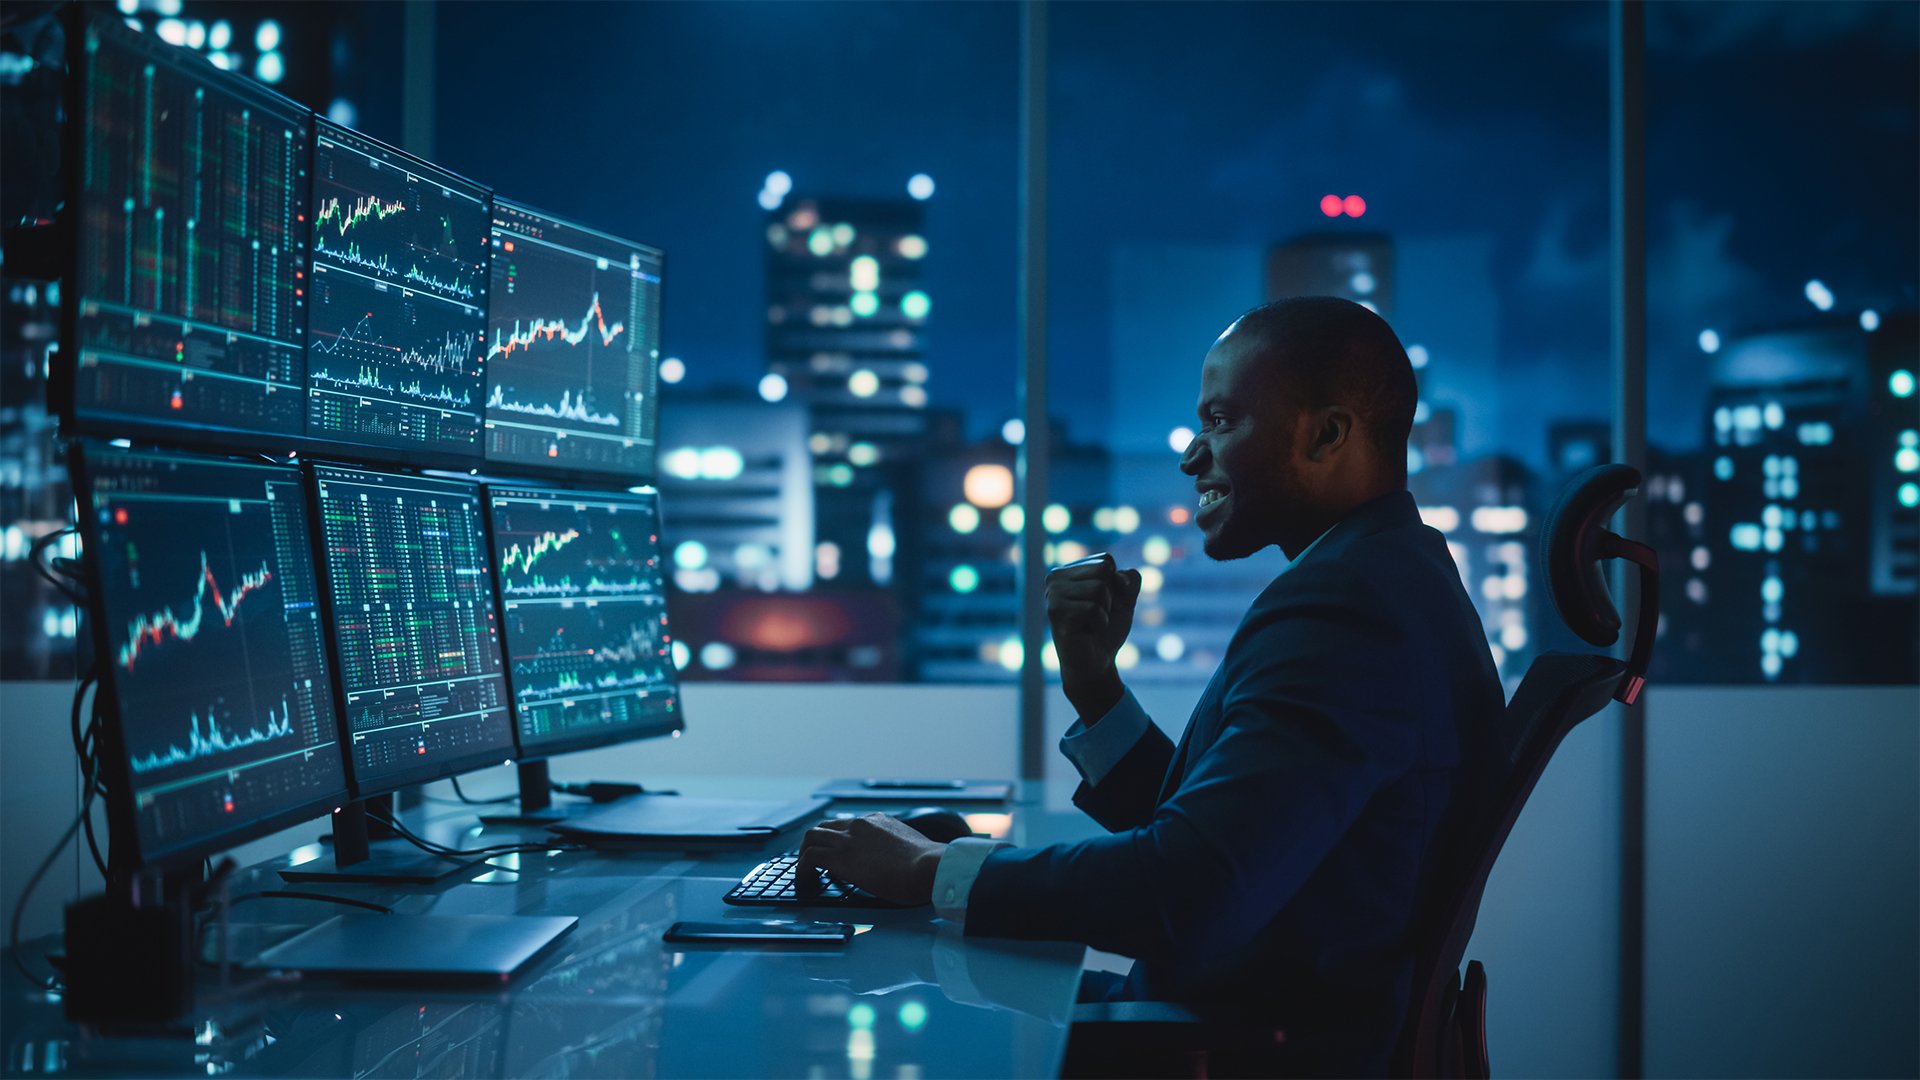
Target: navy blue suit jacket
1272, 861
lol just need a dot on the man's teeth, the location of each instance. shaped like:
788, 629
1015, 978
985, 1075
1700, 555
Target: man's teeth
1208, 498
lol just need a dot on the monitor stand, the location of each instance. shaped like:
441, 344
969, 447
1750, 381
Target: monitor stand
369, 852
397, 947
536, 798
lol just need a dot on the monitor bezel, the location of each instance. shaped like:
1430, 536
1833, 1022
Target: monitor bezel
375, 453
62, 384
111, 752
582, 474
474, 760
592, 740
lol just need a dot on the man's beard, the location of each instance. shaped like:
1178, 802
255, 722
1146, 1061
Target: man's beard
1252, 518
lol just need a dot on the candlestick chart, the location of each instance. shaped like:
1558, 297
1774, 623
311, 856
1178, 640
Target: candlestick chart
220, 682
191, 243
401, 220
153, 628
572, 346
589, 649
398, 313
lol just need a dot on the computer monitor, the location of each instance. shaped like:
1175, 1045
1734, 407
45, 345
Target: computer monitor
573, 348
188, 199
410, 608
397, 322
213, 659
584, 604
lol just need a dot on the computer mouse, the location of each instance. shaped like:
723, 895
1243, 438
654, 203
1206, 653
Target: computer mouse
937, 823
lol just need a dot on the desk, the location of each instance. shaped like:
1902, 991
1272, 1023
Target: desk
909, 997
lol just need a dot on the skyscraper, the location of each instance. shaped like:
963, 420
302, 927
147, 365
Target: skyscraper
1810, 562
1354, 265
846, 315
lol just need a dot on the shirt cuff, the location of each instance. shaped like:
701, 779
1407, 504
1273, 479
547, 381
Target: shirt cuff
951, 971
1097, 749
953, 878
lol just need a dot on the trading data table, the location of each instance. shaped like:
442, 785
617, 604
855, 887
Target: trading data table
189, 282
413, 625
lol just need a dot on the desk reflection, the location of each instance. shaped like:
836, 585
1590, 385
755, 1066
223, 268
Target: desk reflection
908, 997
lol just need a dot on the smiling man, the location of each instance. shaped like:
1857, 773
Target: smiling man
1272, 863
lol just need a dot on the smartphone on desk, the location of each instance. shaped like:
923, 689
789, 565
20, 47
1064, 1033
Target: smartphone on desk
760, 932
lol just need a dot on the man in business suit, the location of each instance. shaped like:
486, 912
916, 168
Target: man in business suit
1273, 861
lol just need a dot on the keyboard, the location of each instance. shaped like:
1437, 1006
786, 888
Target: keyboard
772, 883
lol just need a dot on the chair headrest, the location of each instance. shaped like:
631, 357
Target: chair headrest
1573, 551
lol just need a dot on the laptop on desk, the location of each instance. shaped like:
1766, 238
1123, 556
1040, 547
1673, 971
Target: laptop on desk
682, 819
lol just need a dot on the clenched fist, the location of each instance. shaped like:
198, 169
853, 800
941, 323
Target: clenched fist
1090, 607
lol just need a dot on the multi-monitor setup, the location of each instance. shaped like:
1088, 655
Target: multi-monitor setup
277, 328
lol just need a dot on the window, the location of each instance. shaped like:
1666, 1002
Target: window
1208, 159
1784, 461
834, 188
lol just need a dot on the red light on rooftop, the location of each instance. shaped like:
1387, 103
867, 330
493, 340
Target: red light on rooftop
1355, 205
1331, 205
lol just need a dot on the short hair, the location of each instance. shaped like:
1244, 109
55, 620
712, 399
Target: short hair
1326, 350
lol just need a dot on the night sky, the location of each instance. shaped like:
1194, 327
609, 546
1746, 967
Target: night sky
1781, 146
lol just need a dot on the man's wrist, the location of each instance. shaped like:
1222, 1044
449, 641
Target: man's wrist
1094, 698
925, 866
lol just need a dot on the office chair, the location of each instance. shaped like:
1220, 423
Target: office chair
1445, 1031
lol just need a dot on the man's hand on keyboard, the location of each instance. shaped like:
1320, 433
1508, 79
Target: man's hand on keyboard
876, 852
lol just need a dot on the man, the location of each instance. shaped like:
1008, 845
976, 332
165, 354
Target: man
1274, 860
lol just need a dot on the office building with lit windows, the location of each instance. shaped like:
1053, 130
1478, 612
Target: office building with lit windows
1481, 507
736, 484
1810, 559
846, 319
1188, 605
754, 591
38, 625
1355, 265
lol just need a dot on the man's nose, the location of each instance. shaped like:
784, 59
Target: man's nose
1190, 457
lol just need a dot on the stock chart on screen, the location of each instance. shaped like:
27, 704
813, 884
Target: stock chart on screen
190, 260
585, 598
413, 625
573, 347
398, 319
213, 643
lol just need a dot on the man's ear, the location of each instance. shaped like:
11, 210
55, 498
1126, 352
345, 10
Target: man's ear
1332, 428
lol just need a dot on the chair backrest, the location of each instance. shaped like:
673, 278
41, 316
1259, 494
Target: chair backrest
1558, 691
